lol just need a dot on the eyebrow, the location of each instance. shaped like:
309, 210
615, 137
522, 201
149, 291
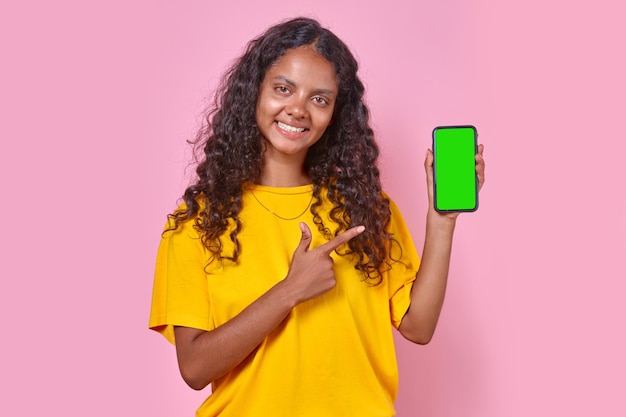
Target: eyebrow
316, 91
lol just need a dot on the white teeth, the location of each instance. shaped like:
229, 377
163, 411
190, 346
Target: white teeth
290, 128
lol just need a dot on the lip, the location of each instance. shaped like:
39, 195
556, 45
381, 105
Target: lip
290, 127
290, 130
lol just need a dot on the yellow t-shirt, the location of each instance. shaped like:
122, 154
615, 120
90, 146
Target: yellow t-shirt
332, 356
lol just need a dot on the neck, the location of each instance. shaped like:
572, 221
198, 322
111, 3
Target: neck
286, 173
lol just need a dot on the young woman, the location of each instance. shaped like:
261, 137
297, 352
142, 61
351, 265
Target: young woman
280, 277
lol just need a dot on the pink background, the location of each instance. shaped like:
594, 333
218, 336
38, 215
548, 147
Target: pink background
98, 100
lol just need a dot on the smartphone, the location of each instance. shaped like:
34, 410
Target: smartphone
455, 182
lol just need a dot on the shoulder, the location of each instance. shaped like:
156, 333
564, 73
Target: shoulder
393, 207
181, 221
186, 213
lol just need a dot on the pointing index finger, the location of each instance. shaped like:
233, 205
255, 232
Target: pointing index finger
342, 238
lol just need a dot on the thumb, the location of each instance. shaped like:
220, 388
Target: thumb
305, 240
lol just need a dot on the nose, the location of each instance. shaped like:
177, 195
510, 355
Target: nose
296, 108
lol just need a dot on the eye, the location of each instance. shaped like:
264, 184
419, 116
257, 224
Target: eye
320, 100
282, 89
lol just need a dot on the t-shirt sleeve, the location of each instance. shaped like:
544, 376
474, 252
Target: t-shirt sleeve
180, 296
404, 265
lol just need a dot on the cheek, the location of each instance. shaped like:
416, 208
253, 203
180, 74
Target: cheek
266, 109
325, 119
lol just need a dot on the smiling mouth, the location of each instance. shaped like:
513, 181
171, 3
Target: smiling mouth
288, 128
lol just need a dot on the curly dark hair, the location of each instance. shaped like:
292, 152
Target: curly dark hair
342, 163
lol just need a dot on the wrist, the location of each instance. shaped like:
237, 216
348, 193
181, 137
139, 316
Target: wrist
286, 295
445, 218
438, 222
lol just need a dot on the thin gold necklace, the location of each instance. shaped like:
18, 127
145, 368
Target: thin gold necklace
278, 215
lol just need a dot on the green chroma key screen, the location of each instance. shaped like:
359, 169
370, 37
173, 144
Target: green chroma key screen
455, 187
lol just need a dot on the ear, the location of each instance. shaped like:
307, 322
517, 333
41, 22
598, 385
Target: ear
332, 120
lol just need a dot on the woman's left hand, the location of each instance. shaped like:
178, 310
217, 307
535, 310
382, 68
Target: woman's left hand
429, 288
428, 165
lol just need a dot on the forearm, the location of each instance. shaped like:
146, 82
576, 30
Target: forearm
204, 356
429, 288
